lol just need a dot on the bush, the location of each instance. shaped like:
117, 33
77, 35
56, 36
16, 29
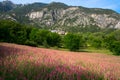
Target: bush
97, 40
72, 41
45, 44
38, 36
53, 39
18, 34
45, 38
113, 42
115, 47
12, 32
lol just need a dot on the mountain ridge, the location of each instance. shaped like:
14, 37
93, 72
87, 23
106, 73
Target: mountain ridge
58, 15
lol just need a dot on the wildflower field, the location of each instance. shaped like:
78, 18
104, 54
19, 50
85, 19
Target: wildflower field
18, 62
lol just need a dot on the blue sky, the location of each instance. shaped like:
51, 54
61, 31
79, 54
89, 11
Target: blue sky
107, 4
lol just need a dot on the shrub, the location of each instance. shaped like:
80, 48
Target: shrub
12, 32
72, 41
38, 36
97, 40
18, 34
53, 39
45, 44
115, 47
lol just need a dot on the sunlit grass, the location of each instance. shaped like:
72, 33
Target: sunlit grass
87, 49
95, 50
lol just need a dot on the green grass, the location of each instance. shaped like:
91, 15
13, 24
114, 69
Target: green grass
87, 49
95, 50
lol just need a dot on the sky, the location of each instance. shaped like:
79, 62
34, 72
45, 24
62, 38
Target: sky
106, 4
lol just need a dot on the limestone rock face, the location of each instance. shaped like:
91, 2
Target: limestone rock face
74, 16
117, 25
59, 14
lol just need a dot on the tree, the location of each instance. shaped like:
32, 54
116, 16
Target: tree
72, 41
53, 39
116, 35
39, 36
96, 40
33, 34
4, 30
113, 42
115, 47
12, 32
18, 34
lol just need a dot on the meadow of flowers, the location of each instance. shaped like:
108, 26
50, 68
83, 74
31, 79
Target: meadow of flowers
18, 62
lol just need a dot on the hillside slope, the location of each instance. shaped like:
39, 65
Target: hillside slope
63, 17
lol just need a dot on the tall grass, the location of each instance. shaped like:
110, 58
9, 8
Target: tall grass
19, 62
15, 68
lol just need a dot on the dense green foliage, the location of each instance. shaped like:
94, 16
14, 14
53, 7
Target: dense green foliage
113, 42
72, 41
97, 40
53, 39
115, 47
14, 32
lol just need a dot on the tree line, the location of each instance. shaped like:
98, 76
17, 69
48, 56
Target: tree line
14, 32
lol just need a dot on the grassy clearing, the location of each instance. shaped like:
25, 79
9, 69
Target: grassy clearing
95, 50
88, 49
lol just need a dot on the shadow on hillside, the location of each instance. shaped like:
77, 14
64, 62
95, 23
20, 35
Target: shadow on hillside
82, 50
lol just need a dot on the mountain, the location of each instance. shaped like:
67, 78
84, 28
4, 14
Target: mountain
6, 6
61, 16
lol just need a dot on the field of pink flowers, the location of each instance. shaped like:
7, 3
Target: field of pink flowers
18, 62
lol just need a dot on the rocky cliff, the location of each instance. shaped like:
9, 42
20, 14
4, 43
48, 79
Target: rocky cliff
59, 15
